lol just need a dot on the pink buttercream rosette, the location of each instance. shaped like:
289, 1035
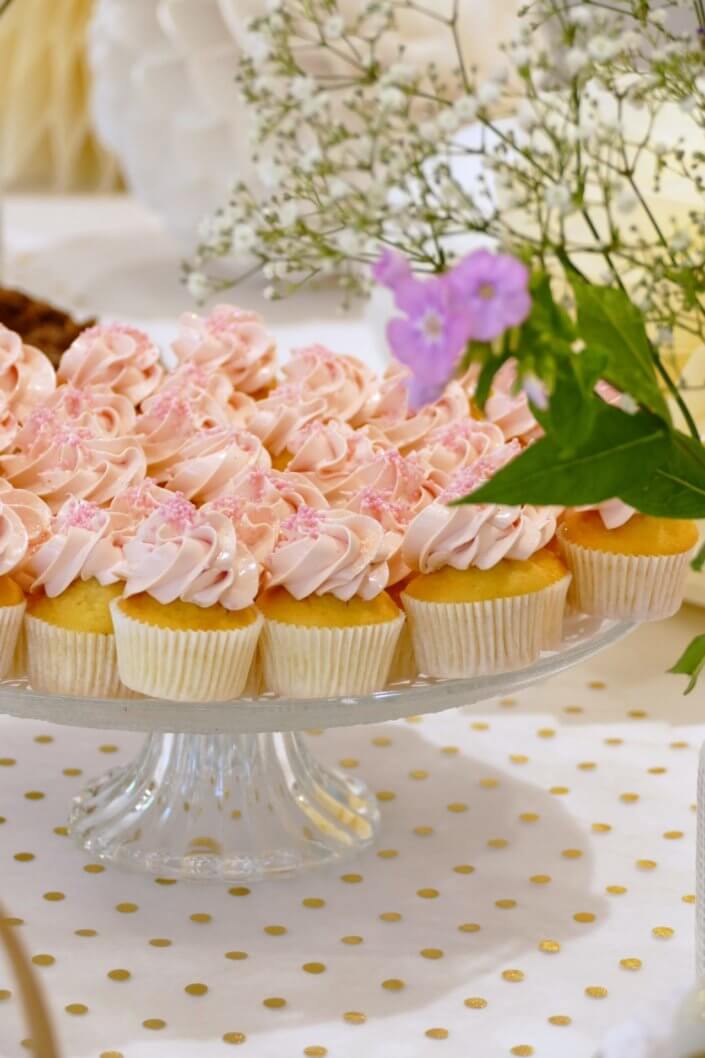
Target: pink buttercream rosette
344, 382
230, 342
122, 358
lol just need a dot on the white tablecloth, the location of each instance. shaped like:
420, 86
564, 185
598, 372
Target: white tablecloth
534, 880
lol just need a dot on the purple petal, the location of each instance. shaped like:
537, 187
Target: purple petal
391, 269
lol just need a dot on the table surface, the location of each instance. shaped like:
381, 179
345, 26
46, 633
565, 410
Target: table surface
533, 885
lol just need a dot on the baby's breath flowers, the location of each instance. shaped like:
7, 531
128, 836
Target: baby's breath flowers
359, 149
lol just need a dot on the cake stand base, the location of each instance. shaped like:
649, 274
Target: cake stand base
231, 807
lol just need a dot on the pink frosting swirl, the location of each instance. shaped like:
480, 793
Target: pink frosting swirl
66, 462
387, 402
209, 462
180, 552
394, 516
139, 500
410, 433
85, 542
122, 358
403, 479
329, 453
27, 377
480, 535
276, 419
169, 419
232, 342
331, 552
509, 410
24, 523
344, 382
614, 513
451, 448
99, 410
212, 390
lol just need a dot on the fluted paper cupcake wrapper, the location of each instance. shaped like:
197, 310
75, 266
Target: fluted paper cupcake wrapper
555, 612
193, 666
60, 661
11, 618
456, 640
404, 661
328, 662
642, 587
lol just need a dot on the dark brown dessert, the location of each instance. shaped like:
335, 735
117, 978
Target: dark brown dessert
39, 323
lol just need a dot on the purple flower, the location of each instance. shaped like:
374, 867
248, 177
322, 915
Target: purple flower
430, 338
391, 269
495, 291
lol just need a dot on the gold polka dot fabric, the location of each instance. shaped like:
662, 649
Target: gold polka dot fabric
518, 902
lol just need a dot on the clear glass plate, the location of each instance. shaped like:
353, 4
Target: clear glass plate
230, 790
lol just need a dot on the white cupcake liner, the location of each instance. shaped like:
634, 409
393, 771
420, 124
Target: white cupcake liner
60, 661
18, 668
403, 667
328, 662
11, 618
195, 666
555, 611
457, 640
641, 587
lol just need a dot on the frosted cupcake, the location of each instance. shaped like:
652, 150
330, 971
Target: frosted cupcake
489, 595
186, 628
624, 564
24, 520
231, 342
210, 462
27, 377
449, 449
70, 641
329, 454
277, 419
61, 461
170, 418
122, 358
98, 409
330, 627
344, 382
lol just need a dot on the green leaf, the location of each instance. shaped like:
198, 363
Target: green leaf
546, 314
570, 416
677, 487
489, 369
609, 322
691, 662
699, 561
621, 448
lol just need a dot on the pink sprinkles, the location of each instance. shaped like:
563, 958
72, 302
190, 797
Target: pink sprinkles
305, 522
178, 512
81, 514
470, 478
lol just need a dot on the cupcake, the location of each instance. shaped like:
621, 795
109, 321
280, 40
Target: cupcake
186, 628
330, 628
70, 641
277, 419
59, 461
211, 461
626, 565
488, 594
27, 378
233, 343
24, 520
344, 382
449, 449
122, 358
170, 418
329, 454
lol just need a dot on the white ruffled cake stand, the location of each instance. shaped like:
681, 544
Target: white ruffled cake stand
231, 791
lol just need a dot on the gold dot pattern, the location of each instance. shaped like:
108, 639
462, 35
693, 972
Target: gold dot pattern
479, 838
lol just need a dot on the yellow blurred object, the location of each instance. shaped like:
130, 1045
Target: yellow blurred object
36, 1013
46, 137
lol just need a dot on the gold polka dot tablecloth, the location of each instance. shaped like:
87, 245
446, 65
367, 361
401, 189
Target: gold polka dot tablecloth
532, 885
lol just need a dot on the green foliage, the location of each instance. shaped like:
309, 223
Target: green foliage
691, 662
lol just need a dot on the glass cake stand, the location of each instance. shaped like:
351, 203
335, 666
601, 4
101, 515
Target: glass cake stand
231, 790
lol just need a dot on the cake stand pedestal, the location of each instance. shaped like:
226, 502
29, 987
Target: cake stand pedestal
231, 791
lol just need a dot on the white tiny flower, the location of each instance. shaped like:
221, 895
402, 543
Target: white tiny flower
269, 270
448, 120
311, 158
244, 237
270, 173
521, 55
526, 114
197, 285
392, 98
580, 15
269, 293
578, 346
349, 241
466, 108
288, 214
488, 93
428, 130
558, 196
660, 147
257, 47
334, 27
700, 84
337, 188
602, 49
627, 404
274, 5
303, 87
626, 201
574, 60
658, 17
679, 241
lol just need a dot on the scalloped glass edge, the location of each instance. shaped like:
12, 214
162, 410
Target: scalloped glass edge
584, 637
